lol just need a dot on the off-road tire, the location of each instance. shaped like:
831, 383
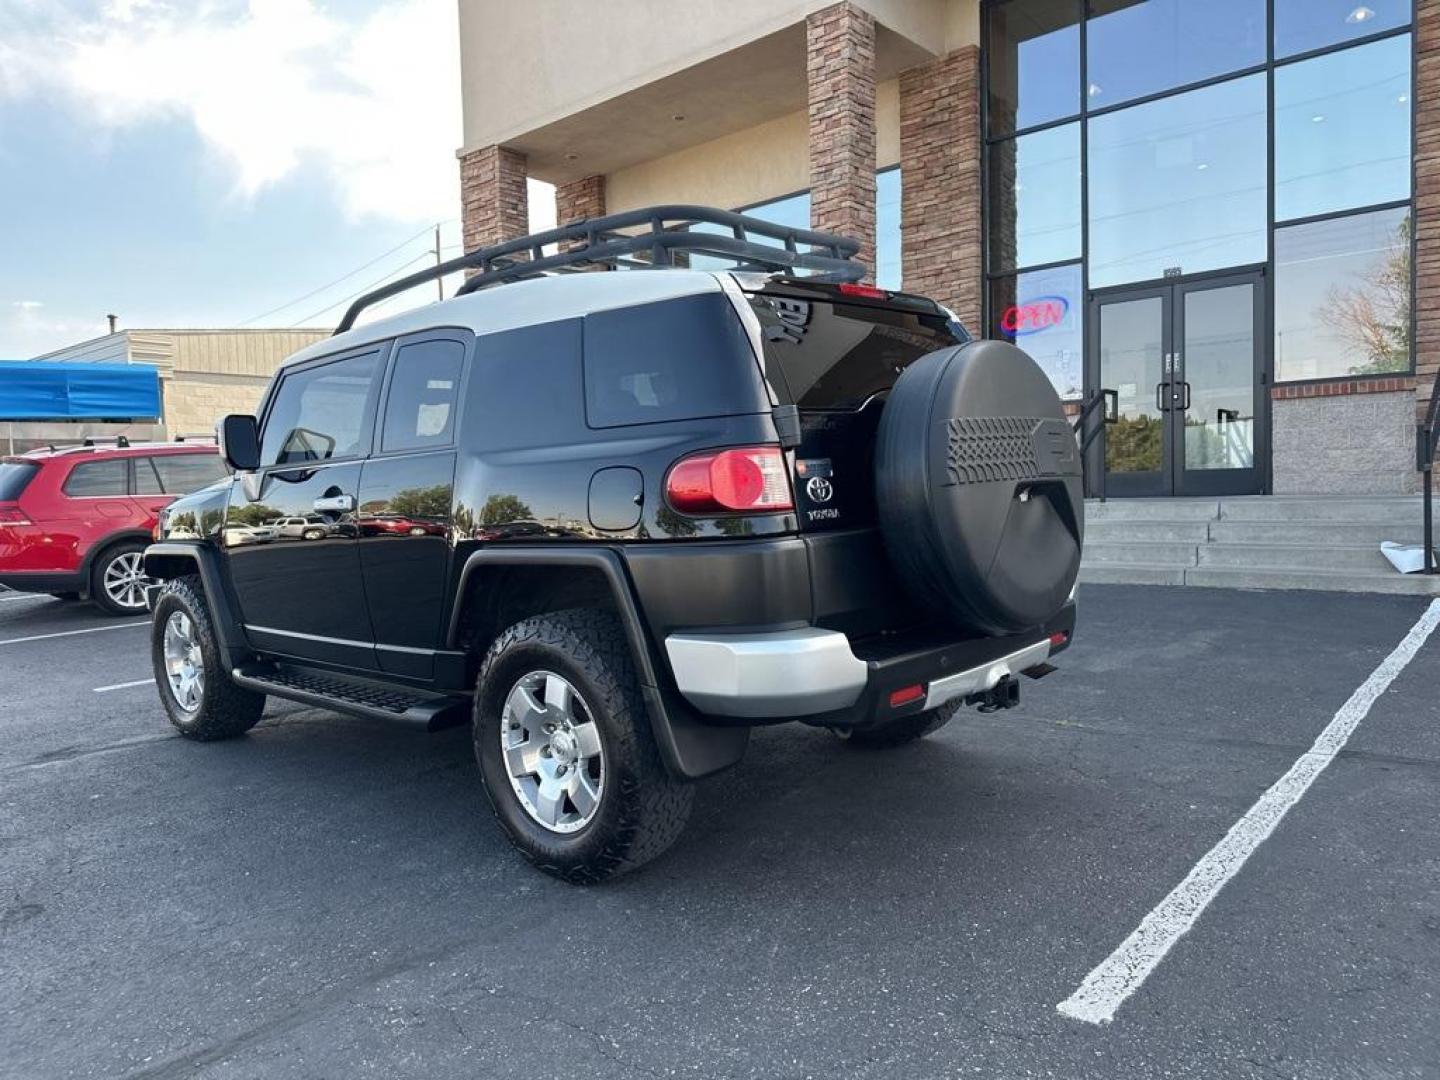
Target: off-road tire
643, 808
98, 596
225, 710
899, 730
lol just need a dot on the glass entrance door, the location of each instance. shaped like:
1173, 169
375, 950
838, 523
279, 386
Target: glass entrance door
1185, 363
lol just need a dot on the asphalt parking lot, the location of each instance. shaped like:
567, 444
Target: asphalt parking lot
328, 897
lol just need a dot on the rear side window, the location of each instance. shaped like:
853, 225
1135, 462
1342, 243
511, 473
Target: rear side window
90, 479
14, 475
420, 410
673, 360
321, 412
838, 356
180, 474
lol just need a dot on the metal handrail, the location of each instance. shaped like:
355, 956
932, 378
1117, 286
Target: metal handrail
1426, 435
1111, 416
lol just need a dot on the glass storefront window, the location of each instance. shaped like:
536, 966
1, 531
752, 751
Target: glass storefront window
1033, 49
1302, 25
1177, 185
1137, 49
1043, 312
1342, 129
1342, 296
1035, 198
887, 229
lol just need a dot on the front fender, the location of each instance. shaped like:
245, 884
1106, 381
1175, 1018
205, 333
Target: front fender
171, 559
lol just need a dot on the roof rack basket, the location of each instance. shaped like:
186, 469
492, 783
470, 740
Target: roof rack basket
655, 237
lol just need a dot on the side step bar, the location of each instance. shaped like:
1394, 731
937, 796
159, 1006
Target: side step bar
326, 690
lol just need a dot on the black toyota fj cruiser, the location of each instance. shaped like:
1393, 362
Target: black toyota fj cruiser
619, 519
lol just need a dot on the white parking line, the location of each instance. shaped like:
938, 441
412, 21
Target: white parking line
6, 598
123, 685
1127, 968
68, 633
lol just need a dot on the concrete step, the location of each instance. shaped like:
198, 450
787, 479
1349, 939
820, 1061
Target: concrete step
1131, 574
1313, 533
1152, 510
1386, 581
1361, 558
1138, 553
1377, 510
1169, 532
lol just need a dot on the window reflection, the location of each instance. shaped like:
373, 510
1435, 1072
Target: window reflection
1302, 25
1043, 312
1178, 185
1342, 296
1137, 49
1035, 198
1342, 129
1033, 49
1219, 372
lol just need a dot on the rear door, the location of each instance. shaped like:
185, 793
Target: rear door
405, 515
300, 589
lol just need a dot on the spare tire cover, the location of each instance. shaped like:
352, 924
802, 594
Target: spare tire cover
979, 487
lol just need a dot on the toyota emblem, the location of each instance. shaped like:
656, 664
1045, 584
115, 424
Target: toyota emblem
819, 489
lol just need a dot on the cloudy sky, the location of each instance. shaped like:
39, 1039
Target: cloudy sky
218, 162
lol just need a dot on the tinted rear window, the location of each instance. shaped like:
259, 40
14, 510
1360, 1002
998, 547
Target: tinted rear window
91, 479
14, 475
838, 356
673, 360
180, 474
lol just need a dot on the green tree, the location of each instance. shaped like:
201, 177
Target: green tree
427, 502
503, 509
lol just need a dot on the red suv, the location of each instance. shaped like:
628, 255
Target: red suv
74, 522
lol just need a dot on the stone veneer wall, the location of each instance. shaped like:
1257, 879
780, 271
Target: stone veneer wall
1344, 444
494, 204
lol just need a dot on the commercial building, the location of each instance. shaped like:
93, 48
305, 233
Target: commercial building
202, 375
1227, 213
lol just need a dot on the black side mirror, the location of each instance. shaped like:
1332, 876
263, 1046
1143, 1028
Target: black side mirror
239, 438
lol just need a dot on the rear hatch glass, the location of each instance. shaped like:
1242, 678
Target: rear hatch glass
14, 476
836, 362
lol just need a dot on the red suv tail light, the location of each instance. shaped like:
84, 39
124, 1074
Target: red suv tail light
11, 514
750, 480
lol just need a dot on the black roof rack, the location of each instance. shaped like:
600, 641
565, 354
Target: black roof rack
647, 238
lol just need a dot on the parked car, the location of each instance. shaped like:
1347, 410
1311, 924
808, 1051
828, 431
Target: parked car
74, 522
678, 504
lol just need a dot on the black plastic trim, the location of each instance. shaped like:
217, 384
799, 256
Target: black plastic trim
690, 748
228, 629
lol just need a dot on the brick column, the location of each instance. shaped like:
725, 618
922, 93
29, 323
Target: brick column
940, 212
576, 201
1427, 198
494, 206
840, 69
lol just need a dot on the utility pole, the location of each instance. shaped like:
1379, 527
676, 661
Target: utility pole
439, 281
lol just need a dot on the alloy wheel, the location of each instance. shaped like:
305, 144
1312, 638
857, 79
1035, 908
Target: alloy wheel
552, 752
125, 581
184, 662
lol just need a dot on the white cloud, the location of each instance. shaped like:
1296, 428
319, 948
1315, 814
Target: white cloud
271, 87
28, 305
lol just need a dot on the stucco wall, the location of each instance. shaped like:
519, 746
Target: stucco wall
760, 163
1353, 444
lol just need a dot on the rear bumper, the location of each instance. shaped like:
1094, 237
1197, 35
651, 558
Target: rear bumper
44, 582
819, 675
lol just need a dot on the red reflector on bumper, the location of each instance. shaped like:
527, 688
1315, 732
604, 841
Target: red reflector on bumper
905, 695
1059, 638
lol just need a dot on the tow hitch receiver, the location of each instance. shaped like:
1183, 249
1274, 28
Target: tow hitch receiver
1003, 695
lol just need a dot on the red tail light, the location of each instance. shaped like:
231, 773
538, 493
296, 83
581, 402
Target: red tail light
850, 288
751, 480
13, 515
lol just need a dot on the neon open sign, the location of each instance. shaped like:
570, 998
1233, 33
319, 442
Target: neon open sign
1039, 314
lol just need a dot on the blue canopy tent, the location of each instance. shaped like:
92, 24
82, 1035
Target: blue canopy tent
50, 390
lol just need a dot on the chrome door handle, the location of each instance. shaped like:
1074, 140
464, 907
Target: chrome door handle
336, 504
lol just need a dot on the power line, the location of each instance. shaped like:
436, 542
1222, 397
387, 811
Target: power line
364, 289
346, 277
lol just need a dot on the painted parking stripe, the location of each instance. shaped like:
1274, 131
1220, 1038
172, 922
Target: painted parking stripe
1126, 969
123, 685
69, 633
7, 598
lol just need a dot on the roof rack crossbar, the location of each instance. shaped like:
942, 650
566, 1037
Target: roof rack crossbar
630, 238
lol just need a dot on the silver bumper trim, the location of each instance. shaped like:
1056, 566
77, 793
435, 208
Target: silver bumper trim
784, 673
986, 676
